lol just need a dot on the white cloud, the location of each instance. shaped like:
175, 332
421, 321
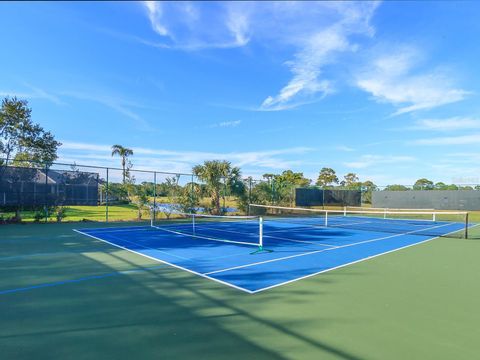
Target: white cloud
366, 161
225, 124
315, 31
319, 46
344, 148
392, 78
193, 26
449, 124
154, 12
449, 140
168, 160
34, 93
115, 103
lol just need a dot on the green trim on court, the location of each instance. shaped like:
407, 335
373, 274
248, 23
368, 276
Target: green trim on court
82, 298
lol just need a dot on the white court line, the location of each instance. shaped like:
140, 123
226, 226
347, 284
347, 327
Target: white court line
205, 275
353, 262
168, 263
318, 251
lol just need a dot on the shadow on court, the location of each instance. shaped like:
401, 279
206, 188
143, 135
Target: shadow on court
105, 302
102, 300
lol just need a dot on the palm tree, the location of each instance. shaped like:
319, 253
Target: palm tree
124, 153
214, 173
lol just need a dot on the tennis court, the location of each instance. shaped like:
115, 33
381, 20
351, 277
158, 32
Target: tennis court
253, 253
68, 295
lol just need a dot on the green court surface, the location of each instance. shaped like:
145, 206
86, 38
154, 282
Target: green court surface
66, 296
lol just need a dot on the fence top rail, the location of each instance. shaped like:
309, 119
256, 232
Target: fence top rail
113, 168
108, 168
101, 167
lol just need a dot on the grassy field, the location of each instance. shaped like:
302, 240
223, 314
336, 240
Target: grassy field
126, 212
63, 295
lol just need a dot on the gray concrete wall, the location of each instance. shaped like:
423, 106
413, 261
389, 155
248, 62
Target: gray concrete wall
428, 199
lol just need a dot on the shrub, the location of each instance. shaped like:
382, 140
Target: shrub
61, 213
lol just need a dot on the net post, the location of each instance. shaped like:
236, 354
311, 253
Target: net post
193, 224
326, 218
154, 212
466, 226
224, 196
249, 193
344, 211
434, 217
260, 233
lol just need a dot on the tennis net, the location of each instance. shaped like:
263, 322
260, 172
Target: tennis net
426, 223
240, 230
361, 208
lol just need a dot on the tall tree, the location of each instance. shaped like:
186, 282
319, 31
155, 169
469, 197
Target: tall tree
293, 178
326, 177
351, 180
124, 153
216, 174
368, 187
26, 143
20, 138
423, 184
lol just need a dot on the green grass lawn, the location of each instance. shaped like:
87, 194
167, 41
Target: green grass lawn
92, 213
66, 296
125, 212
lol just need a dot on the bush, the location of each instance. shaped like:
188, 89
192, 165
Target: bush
39, 215
61, 213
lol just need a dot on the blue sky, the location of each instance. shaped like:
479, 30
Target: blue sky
387, 90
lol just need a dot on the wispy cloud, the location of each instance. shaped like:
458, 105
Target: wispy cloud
33, 93
394, 78
449, 140
183, 161
118, 104
183, 25
226, 124
449, 124
369, 160
318, 43
316, 31
344, 148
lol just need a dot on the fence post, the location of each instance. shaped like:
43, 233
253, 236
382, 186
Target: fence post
192, 195
273, 190
249, 194
323, 198
224, 194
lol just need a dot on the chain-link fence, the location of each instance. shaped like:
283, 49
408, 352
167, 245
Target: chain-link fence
73, 192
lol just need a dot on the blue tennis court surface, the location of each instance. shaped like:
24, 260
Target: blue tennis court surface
295, 251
